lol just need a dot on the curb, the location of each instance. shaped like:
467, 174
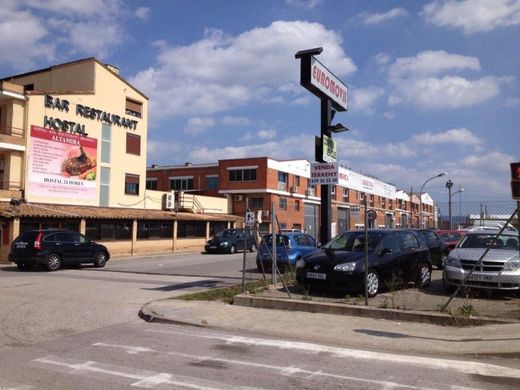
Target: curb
148, 315
361, 311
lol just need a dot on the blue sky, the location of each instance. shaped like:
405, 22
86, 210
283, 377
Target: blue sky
433, 85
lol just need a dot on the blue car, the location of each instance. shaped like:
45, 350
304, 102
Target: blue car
290, 247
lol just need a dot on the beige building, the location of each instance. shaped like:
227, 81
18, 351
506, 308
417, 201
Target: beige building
73, 155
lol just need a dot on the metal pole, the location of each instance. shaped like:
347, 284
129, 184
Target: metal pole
460, 206
326, 119
273, 244
366, 251
449, 204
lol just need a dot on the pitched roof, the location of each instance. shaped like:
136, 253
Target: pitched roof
41, 210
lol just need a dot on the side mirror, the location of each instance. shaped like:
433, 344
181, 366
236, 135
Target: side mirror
385, 251
318, 245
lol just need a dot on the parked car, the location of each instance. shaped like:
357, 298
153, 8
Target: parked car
231, 241
438, 248
451, 237
394, 257
499, 269
290, 247
53, 248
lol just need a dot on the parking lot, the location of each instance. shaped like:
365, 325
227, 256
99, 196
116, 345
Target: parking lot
477, 303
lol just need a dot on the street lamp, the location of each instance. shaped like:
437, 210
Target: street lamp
449, 184
459, 191
420, 195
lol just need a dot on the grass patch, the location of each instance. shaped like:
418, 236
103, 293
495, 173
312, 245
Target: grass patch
224, 294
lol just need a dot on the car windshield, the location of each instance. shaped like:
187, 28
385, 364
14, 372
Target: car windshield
227, 233
484, 240
268, 239
354, 241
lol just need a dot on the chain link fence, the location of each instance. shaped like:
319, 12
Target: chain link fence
482, 278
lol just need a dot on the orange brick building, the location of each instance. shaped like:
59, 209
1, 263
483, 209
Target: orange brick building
265, 184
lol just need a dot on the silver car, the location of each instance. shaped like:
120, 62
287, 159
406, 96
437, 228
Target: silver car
499, 269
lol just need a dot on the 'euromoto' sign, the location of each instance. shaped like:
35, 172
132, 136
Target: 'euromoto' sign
321, 82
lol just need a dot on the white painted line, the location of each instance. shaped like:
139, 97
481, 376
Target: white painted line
467, 367
144, 379
286, 371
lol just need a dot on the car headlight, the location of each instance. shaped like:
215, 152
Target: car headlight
300, 264
452, 261
512, 265
225, 243
345, 267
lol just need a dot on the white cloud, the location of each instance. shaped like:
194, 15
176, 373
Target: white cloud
266, 134
473, 15
429, 63
453, 136
382, 58
142, 13
363, 99
304, 3
220, 72
235, 120
418, 80
377, 18
198, 125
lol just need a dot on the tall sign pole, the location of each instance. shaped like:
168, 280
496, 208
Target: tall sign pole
320, 81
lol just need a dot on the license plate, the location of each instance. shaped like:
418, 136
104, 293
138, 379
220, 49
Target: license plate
212, 247
21, 245
480, 277
316, 275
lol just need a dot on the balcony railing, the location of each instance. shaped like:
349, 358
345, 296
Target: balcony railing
13, 131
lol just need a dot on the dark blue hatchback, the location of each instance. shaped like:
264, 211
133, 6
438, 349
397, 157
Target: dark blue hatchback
290, 247
393, 255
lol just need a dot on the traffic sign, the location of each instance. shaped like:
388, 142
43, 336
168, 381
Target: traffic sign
515, 180
250, 219
371, 215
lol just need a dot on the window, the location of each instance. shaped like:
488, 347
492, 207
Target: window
242, 174
297, 181
106, 230
28, 87
408, 241
154, 229
131, 184
282, 181
181, 183
283, 204
333, 190
106, 139
390, 242
134, 108
191, 229
104, 186
151, 183
133, 144
212, 182
296, 205
371, 200
256, 203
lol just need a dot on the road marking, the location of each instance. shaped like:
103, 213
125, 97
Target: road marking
143, 378
286, 371
467, 367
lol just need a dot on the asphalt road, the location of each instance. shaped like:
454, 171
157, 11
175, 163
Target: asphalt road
79, 328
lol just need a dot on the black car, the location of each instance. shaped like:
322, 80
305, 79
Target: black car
438, 248
52, 248
231, 241
394, 257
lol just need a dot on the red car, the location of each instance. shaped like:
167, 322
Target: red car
451, 237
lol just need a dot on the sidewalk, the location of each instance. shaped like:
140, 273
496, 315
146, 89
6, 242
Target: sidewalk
368, 332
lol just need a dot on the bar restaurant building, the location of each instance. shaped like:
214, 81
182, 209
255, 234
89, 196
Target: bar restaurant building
73, 155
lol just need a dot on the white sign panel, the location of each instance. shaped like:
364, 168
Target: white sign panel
250, 218
328, 84
324, 173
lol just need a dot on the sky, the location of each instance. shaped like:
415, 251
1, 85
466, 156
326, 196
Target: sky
433, 86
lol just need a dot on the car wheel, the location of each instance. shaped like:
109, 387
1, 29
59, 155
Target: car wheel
22, 266
233, 249
100, 259
253, 248
450, 289
53, 262
372, 283
424, 275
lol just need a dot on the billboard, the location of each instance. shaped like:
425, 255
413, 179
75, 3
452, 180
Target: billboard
61, 165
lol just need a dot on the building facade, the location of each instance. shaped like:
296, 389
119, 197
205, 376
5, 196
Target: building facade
73, 155
264, 185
